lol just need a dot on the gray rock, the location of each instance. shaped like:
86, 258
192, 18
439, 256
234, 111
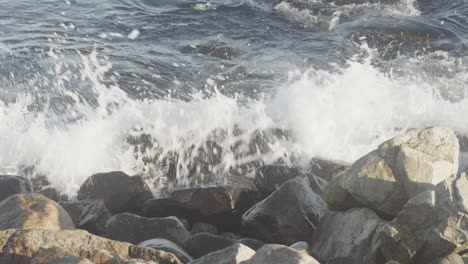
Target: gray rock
168, 246
230, 235
278, 254
450, 259
120, 192
301, 246
135, 229
33, 211
342, 260
201, 227
432, 224
11, 185
327, 169
234, 254
290, 214
252, 243
57, 255
74, 210
347, 234
19, 245
94, 217
385, 179
201, 244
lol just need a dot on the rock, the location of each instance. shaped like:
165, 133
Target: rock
11, 185
301, 246
201, 244
135, 229
347, 234
33, 211
432, 224
167, 246
230, 235
386, 178
221, 206
94, 217
252, 243
290, 214
120, 192
269, 178
74, 210
342, 261
278, 254
450, 259
53, 194
16, 246
101, 256
234, 254
201, 227
57, 255
327, 169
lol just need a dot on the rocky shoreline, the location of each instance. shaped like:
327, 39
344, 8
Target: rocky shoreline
405, 202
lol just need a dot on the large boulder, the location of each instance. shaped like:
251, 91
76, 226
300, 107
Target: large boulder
278, 254
221, 206
33, 211
347, 234
168, 246
57, 255
234, 254
135, 229
89, 215
290, 214
120, 192
201, 244
19, 246
386, 178
11, 185
432, 224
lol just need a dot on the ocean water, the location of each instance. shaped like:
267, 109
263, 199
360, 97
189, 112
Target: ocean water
190, 93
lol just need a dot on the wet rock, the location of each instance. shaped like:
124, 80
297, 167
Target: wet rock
301, 246
19, 246
215, 49
201, 227
120, 192
230, 235
167, 246
234, 254
278, 254
11, 185
327, 169
290, 214
432, 224
201, 244
349, 235
33, 211
386, 178
74, 210
221, 206
135, 229
343, 260
94, 217
450, 259
269, 178
252, 243
53, 194
57, 255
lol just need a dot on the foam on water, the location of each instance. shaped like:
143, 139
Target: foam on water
339, 114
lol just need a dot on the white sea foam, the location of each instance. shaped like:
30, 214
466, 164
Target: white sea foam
339, 114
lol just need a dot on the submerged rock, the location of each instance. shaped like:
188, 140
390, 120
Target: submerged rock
135, 229
349, 234
33, 211
221, 206
432, 224
290, 214
11, 185
278, 254
386, 178
19, 246
234, 254
120, 192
